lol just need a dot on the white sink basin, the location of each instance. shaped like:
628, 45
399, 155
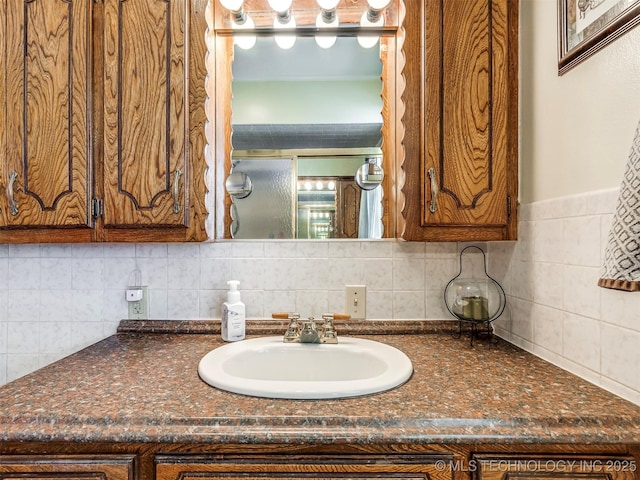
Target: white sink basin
267, 367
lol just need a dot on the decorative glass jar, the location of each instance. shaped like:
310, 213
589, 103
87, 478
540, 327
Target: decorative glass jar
474, 297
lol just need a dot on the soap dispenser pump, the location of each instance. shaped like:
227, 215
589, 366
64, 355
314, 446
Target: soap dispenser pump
233, 315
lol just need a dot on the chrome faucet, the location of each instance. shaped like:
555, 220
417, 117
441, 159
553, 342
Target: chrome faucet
310, 332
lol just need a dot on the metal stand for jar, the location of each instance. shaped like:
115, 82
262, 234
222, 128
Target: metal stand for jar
479, 328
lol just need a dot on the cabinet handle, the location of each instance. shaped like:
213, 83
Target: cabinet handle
12, 203
433, 205
176, 191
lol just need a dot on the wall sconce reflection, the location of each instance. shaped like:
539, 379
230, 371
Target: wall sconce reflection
239, 185
370, 174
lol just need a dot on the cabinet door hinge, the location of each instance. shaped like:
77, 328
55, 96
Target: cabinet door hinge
508, 206
97, 207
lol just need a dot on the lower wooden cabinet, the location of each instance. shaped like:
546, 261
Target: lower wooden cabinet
65, 467
554, 467
303, 467
69, 461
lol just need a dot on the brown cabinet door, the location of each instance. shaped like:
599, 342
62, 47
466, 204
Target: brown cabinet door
348, 196
304, 467
146, 108
62, 467
461, 170
45, 169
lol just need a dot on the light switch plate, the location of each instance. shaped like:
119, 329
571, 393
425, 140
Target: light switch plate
355, 303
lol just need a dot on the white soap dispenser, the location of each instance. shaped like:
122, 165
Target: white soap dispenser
233, 314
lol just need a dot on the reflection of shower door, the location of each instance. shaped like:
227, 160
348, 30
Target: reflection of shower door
347, 208
268, 212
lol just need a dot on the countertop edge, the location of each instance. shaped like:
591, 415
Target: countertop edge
278, 327
534, 431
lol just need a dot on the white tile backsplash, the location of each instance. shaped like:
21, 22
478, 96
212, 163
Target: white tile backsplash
590, 331
581, 340
56, 299
620, 354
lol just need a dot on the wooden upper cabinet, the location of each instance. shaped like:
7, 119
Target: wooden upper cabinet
145, 112
45, 169
153, 95
461, 165
104, 136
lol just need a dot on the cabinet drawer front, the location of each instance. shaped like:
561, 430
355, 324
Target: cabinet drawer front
59, 467
554, 467
145, 112
46, 174
185, 467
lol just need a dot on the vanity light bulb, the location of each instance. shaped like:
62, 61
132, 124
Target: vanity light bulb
328, 4
326, 41
244, 42
307, 185
319, 185
280, 5
378, 4
369, 41
331, 185
233, 5
285, 41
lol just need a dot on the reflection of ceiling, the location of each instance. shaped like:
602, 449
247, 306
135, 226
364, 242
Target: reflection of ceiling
285, 136
346, 60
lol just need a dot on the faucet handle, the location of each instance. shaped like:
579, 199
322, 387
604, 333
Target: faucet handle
284, 315
329, 334
293, 330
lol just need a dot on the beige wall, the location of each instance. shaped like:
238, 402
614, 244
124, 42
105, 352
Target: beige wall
576, 130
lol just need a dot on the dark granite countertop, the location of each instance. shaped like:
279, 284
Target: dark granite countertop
138, 386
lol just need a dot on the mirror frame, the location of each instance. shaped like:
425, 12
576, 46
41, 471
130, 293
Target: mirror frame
220, 60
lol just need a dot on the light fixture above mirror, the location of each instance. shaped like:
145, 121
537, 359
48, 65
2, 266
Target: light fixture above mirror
324, 19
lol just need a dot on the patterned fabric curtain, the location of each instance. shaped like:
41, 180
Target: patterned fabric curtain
621, 269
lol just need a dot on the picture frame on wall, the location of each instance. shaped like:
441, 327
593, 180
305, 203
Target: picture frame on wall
586, 26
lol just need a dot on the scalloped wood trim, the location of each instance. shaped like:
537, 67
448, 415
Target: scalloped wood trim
401, 83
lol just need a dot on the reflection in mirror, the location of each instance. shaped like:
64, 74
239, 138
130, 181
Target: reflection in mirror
238, 185
370, 175
306, 194
306, 117
268, 211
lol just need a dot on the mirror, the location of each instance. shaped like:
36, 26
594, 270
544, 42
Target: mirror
308, 136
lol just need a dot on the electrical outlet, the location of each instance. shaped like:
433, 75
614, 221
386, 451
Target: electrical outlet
138, 301
355, 303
